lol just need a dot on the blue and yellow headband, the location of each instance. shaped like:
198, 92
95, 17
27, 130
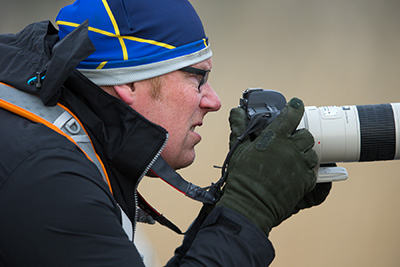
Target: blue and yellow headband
136, 39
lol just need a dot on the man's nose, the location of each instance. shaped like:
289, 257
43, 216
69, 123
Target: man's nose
210, 98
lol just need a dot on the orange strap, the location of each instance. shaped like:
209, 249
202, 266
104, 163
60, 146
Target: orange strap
35, 118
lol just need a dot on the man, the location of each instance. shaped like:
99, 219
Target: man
73, 153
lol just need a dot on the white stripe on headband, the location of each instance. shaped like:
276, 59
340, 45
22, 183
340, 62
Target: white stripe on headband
117, 76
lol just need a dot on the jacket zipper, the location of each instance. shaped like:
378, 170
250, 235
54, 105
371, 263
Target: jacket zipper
141, 177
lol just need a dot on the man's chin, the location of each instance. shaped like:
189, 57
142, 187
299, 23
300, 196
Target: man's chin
176, 165
183, 161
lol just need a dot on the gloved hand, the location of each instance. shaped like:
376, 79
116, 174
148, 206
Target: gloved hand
269, 178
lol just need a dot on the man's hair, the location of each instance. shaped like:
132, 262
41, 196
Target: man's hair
156, 84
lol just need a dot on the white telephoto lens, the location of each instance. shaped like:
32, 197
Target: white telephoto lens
354, 133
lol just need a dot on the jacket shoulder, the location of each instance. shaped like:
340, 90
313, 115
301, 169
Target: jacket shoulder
21, 138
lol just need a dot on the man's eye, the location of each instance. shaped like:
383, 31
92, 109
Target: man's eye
199, 80
196, 78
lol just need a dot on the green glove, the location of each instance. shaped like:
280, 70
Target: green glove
268, 177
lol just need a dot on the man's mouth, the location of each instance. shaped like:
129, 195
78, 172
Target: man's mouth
195, 125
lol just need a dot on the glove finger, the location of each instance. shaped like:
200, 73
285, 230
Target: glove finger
238, 122
311, 159
315, 196
303, 140
290, 117
321, 192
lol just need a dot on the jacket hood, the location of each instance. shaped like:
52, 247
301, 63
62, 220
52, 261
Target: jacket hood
35, 61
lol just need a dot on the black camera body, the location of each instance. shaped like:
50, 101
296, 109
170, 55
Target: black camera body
256, 101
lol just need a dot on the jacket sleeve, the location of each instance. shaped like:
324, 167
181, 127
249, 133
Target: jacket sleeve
226, 238
60, 213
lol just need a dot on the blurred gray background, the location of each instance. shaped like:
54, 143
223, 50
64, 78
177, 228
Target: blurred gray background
325, 52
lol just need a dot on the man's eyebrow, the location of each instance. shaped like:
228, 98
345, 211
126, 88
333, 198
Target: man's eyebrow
205, 67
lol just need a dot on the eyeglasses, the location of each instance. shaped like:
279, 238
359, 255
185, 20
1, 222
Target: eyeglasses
203, 73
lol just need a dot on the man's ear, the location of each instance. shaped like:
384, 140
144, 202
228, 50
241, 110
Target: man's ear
125, 92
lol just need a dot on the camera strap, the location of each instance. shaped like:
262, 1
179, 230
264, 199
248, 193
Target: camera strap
162, 170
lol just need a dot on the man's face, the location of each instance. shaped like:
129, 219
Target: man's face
179, 109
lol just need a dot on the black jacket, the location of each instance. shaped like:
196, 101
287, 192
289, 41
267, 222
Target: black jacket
55, 208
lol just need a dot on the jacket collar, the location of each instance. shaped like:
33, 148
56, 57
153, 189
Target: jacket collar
126, 141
